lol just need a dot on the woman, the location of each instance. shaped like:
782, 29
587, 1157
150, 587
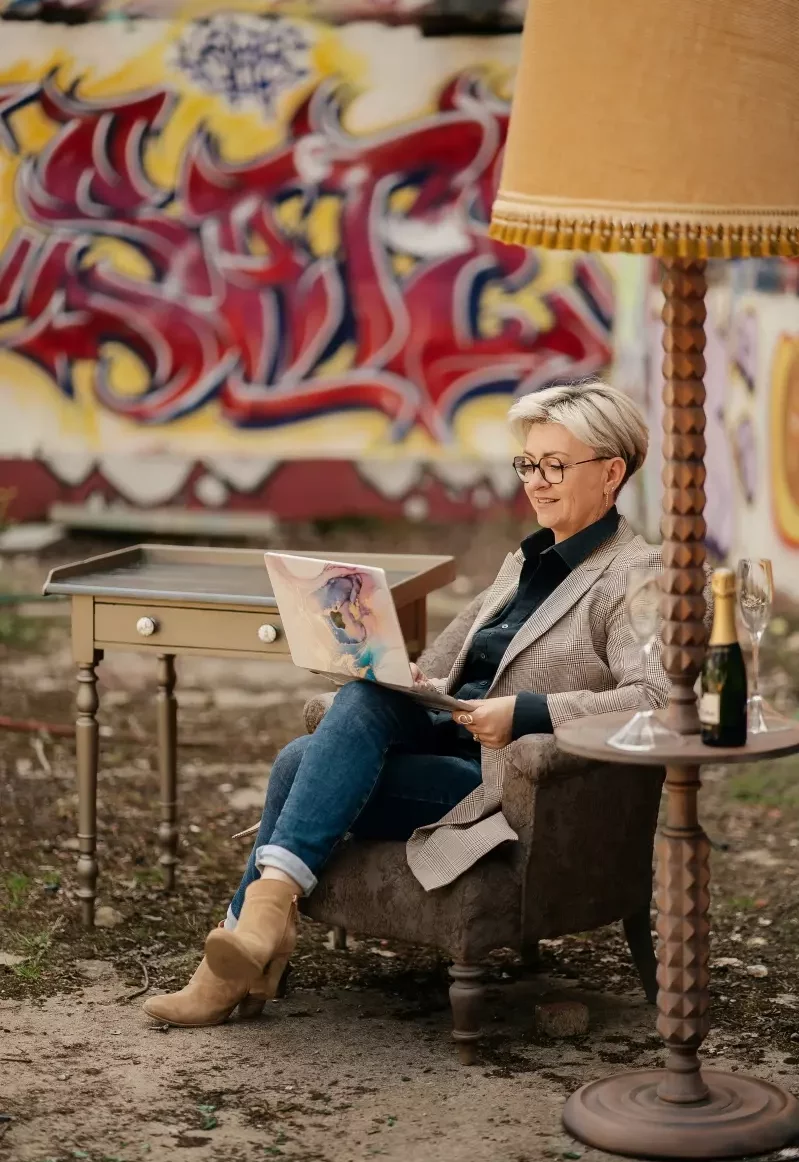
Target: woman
549, 644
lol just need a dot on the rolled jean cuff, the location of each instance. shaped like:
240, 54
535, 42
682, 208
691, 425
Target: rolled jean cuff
269, 855
230, 920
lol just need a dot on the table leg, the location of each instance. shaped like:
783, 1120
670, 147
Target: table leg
683, 901
681, 1112
167, 711
421, 625
87, 734
413, 622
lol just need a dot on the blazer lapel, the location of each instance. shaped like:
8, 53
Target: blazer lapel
567, 594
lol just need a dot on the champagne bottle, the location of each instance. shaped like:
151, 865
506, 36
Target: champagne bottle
722, 705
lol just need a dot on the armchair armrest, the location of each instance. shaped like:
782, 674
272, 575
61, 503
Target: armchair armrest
532, 761
585, 836
315, 709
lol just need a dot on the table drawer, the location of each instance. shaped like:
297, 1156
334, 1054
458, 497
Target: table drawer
171, 626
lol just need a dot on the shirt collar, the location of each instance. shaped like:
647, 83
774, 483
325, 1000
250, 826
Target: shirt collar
574, 550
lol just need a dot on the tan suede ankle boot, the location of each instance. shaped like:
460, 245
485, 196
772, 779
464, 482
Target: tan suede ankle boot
208, 1000
263, 939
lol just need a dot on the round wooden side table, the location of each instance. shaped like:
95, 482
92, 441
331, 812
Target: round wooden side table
680, 1111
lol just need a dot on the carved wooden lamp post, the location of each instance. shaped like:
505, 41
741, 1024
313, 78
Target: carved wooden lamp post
666, 127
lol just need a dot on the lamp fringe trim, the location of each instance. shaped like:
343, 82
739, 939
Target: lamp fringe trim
674, 239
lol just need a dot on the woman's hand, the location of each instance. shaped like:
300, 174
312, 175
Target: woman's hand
420, 679
490, 721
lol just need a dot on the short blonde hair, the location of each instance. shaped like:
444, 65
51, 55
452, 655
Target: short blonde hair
600, 415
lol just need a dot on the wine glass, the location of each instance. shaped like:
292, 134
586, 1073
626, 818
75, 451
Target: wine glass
642, 604
755, 585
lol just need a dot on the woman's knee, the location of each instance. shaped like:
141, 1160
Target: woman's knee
361, 697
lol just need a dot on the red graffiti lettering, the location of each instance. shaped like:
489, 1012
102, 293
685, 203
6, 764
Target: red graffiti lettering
238, 308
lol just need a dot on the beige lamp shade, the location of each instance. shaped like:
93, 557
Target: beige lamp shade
666, 127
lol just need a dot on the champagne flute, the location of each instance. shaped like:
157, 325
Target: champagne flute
755, 585
644, 731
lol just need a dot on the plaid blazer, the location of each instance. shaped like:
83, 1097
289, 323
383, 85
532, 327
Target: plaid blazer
578, 649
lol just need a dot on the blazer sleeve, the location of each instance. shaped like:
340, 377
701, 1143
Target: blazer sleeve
624, 661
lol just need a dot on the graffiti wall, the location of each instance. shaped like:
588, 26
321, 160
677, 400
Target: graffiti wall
752, 384
507, 13
250, 241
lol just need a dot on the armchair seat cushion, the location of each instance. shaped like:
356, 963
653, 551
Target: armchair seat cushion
368, 888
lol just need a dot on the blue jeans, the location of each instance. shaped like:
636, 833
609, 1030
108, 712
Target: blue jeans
378, 766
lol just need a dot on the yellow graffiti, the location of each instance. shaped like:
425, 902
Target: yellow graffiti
112, 61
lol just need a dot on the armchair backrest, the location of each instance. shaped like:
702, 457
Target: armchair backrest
437, 660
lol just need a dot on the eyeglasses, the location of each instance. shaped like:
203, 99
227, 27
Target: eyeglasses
550, 467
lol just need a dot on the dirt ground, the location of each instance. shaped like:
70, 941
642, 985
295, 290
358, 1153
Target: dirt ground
356, 1062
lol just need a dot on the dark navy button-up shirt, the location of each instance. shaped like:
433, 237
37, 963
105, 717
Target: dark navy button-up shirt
546, 566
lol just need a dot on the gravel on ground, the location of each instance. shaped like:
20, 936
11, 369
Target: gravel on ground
357, 1061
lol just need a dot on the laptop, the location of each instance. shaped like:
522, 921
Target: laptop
340, 621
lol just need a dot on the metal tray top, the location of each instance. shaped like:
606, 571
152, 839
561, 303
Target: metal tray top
224, 576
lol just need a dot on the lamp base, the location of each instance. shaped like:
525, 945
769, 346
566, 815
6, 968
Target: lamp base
624, 1115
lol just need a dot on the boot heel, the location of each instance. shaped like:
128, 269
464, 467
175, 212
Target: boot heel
283, 986
251, 1006
275, 977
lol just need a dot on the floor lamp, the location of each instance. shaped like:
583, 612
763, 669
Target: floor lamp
666, 127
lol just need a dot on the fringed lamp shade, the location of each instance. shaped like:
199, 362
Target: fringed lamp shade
666, 127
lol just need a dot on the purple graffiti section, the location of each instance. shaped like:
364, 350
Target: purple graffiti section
237, 307
244, 57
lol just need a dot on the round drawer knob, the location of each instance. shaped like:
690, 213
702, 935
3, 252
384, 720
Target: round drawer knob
146, 626
267, 633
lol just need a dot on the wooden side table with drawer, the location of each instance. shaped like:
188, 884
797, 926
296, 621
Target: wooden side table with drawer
167, 600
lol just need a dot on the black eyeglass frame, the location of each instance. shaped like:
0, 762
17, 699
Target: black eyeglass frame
535, 466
